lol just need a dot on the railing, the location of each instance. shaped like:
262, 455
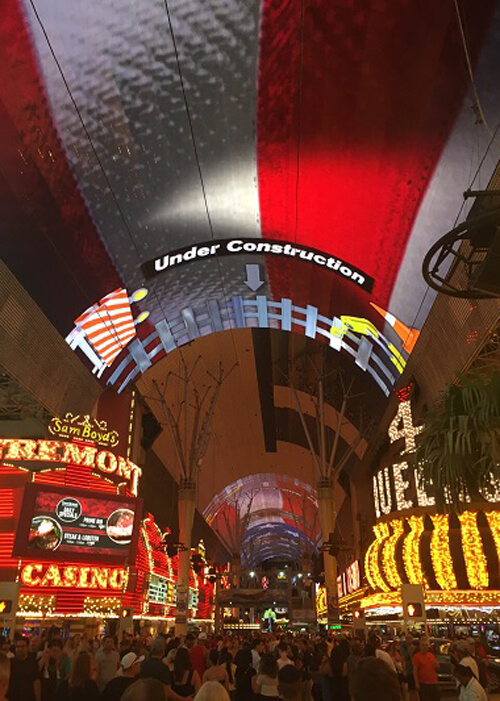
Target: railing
371, 351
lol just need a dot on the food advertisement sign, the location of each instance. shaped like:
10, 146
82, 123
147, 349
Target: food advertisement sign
77, 525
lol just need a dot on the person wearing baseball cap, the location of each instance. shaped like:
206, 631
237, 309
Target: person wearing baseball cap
465, 657
130, 668
198, 654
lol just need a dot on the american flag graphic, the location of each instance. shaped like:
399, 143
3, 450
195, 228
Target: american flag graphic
108, 325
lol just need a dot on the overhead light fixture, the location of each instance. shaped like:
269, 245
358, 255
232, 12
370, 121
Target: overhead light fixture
252, 574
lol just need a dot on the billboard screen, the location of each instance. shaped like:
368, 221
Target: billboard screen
73, 524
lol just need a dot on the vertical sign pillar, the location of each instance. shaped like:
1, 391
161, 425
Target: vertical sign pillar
235, 579
413, 600
326, 507
219, 618
187, 500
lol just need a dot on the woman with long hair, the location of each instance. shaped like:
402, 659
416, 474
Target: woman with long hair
73, 647
227, 660
317, 656
338, 664
80, 686
185, 679
394, 651
266, 682
244, 674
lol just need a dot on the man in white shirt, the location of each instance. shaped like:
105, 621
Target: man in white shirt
470, 688
283, 658
383, 655
107, 661
257, 648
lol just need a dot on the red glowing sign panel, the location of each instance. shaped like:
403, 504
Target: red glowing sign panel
74, 524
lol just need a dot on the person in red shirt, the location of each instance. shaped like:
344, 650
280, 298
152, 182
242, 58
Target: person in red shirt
197, 652
425, 667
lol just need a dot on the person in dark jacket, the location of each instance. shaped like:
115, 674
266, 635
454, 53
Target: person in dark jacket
244, 674
154, 668
338, 663
24, 684
131, 666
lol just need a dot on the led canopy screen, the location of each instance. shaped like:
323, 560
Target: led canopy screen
71, 524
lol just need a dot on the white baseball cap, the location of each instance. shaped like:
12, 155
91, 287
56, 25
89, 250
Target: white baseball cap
130, 659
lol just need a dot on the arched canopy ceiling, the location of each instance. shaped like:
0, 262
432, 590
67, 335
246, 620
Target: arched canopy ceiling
266, 516
256, 427
132, 129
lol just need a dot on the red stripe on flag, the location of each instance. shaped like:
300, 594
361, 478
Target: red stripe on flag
364, 110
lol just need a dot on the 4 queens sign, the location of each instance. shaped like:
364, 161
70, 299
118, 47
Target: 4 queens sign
398, 488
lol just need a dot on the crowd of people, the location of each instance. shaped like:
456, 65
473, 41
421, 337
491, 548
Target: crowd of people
232, 667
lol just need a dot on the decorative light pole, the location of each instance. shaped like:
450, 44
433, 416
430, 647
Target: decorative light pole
328, 466
189, 423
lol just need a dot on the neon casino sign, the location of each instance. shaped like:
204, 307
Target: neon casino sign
105, 461
350, 580
38, 575
397, 488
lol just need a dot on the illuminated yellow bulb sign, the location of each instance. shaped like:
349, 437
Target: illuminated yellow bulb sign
38, 575
393, 486
411, 551
472, 545
408, 430
389, 555
372, 567
62, 452
440, 552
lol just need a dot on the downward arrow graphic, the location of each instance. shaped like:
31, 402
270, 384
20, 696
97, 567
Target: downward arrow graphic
253, 280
